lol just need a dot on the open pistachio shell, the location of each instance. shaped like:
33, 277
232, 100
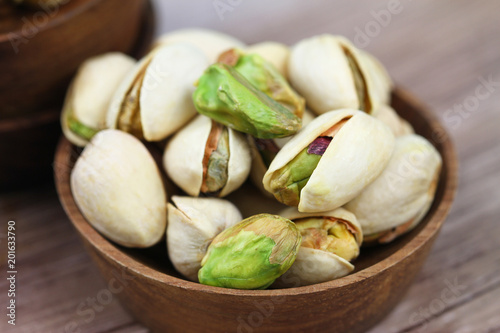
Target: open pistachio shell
89, 95
401, 196
211, 42
276, 53
356, 155
154, 100
332, 74
398, 125
382, 82
185, 153
192, 225
264, 151
118, 188
316, 265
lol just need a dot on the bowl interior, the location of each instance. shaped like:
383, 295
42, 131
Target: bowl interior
154, 262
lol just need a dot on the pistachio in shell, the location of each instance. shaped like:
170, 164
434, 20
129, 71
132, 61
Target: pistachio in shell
275, 53
331, 73
89, 95
192, 225
207, 158
251, 254
401, 196
118, 188
330, 241
330, 161
265, 77
227, 97
211, 42
154, 100
265, 150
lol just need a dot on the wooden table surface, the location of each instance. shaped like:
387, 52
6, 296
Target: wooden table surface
444, 52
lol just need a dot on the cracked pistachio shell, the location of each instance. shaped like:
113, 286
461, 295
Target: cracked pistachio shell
276, 53
259, 166
251, 254
184, 154
398, 125
154, 100
382, 82
118, 188
226, 96
332, 74
315, 265
355, 157
192, 225
89, 95
211, 42
401, 196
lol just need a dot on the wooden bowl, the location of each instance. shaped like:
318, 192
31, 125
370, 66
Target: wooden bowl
36, 69
165, 302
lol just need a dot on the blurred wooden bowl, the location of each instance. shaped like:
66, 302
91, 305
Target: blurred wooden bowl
165, 302
40, 51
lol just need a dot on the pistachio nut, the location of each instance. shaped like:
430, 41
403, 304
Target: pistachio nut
330, 241
401, 196
226, 96
192, 225
89, 95
154, 100
330, 161
265, 150
275, 53
251, 254
398, 125
265, 77
118, 188
208, 158
211, 42
332, 74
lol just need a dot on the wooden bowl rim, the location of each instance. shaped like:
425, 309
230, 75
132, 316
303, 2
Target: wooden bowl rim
127, 263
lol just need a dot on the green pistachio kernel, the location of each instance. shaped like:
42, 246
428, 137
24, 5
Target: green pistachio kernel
251, 254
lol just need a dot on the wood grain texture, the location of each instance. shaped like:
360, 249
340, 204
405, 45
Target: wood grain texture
437, 50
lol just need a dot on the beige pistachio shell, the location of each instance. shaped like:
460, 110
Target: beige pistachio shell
211, 42
313, 266
398, 125
258, 167
192, 225
91, 91
404, 191
316, 266
165, 82
276, 53
118, 188
355, 157
183, 158
319, 69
